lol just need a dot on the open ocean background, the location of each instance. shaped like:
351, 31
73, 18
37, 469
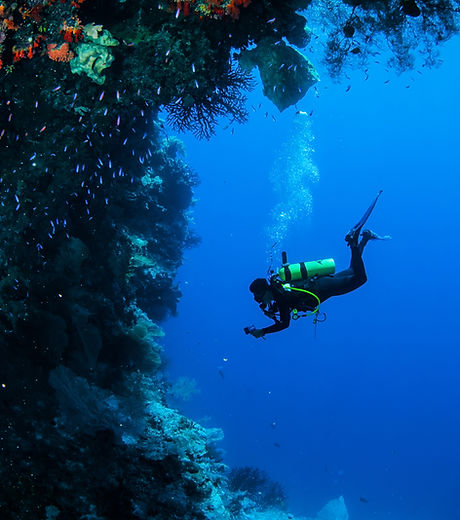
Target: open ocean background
370, 407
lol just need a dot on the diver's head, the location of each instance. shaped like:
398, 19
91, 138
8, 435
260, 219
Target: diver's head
259, 288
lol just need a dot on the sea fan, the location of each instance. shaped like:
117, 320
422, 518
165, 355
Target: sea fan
199, 112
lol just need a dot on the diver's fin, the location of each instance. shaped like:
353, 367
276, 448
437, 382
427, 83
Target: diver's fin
368, 234
353, 234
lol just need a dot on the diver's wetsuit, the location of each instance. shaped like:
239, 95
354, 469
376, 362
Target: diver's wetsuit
324, 287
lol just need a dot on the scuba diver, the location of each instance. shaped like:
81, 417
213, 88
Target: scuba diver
304, 286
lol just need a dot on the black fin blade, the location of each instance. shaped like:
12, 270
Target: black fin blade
360, 224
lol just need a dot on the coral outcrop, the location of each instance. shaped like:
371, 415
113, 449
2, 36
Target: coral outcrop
93, 235
285, 73
93, 55
333, 510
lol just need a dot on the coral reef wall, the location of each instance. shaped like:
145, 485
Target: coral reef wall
93, 227
94, 201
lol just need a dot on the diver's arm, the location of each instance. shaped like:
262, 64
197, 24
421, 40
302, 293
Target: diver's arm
283, 323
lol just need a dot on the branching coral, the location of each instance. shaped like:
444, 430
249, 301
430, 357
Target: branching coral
258, 486
356, 29
199, 112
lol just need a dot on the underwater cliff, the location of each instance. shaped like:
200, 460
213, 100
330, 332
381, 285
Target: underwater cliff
95, 201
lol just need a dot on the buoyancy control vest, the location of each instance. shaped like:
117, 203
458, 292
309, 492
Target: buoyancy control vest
296, 277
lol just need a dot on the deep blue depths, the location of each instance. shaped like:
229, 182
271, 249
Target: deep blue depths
371, 406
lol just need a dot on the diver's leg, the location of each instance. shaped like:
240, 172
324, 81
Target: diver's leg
349, 279
357, 265
355, 276
344, 281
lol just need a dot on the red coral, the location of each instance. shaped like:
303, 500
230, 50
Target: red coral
215, 8
18, 54
233, 7
27, 16
72, 33
233, 10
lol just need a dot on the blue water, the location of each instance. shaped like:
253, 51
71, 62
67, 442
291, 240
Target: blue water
370, 407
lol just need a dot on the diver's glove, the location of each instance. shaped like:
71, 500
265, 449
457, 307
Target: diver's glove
257, 333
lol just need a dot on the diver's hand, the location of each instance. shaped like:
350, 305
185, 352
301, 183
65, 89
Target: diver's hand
257, 333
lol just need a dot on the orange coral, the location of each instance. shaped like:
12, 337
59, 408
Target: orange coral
233, 10
35, 13
28, 15
216, 9
72, 33
10, 24
62, 53
233, 7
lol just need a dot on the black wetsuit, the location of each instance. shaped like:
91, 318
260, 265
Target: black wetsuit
324, 287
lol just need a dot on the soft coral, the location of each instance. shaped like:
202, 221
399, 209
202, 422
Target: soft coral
233, 7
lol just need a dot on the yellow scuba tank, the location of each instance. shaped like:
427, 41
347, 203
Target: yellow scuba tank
305, 270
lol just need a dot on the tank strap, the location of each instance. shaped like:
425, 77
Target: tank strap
303, 270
